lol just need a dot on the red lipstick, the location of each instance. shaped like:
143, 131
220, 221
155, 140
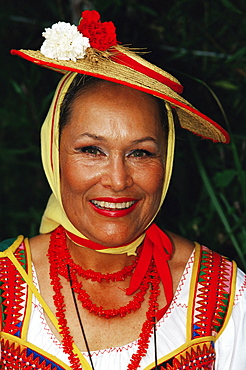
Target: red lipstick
110, 212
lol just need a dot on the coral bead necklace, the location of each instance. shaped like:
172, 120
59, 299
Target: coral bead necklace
61, 264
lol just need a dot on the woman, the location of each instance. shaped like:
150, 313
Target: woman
95, 289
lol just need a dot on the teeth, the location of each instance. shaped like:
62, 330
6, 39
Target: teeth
108, 205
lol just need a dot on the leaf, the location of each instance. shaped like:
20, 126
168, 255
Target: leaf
16, 87
239, 54
223, 179
242, 238
227, 85
147, 10
230, 6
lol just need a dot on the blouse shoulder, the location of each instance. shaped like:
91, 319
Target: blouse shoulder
10, 245
240, 294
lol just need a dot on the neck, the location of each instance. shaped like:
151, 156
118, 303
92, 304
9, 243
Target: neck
96, 261
129, 248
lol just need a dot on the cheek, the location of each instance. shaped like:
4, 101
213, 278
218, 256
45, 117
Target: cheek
77, 178
72, 177
152, 180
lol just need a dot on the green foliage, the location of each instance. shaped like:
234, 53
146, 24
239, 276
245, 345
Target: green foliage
203, 44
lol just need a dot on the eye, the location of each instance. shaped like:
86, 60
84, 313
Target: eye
91, 150
140, 153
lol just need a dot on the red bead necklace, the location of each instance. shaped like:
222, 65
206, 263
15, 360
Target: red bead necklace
60, 253
90, 274
60, 259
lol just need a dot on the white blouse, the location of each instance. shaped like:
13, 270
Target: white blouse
171, 332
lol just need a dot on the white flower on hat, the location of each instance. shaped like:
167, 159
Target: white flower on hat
64, 42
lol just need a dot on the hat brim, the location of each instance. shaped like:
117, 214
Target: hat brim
189, 117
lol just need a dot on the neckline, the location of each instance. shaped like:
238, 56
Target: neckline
47, 330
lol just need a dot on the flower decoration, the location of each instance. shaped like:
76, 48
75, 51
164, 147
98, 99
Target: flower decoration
64, 42
92, 38
102, 35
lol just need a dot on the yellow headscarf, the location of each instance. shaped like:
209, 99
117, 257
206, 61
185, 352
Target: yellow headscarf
54, 214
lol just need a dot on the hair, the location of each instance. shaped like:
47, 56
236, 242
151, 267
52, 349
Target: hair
82, 83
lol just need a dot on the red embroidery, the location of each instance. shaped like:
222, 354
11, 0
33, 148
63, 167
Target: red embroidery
14, 293
15, 356
213, 287
200, 357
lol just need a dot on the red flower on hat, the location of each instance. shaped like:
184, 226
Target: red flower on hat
102, 35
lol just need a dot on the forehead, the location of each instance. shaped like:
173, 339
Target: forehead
102, 88
117, 102
116, 116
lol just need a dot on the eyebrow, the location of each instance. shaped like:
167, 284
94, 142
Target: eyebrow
147, 138
93, 136
101, 138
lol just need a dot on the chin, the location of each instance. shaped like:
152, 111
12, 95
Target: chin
114, 237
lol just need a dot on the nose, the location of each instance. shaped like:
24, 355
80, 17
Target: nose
117, 174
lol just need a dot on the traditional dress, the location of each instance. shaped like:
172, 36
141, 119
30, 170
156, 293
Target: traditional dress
204, 327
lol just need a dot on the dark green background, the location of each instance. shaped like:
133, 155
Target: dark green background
203, 44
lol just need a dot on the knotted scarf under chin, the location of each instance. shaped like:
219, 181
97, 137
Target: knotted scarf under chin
157, 246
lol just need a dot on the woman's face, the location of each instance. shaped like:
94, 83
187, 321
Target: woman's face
111, 163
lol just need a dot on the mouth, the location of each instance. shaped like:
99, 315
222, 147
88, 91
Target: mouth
114, 207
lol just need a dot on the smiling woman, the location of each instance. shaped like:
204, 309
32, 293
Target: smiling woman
112, 150
102, 287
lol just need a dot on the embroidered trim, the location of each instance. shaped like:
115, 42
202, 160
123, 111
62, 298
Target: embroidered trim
14, 293
179, 288
199, 356
213, 290
241, 290
18, 356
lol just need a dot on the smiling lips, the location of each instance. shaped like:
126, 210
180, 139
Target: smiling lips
114, 207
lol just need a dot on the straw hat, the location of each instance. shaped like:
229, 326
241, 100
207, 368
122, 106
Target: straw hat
92, 49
